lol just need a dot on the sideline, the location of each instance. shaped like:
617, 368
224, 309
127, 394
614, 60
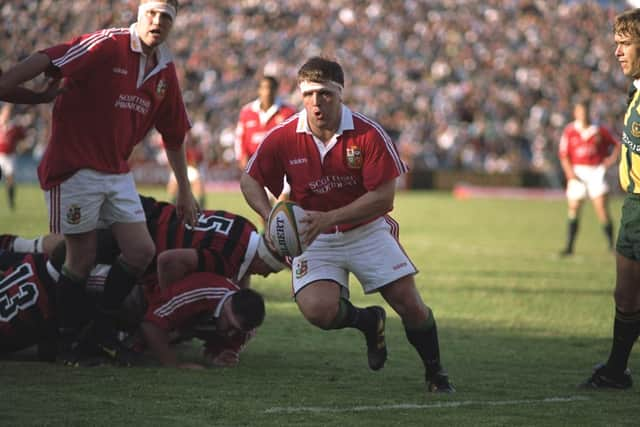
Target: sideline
318, 409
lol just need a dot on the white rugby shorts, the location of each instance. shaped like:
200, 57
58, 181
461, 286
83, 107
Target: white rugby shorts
7, 163
89, 200
591, 182
371, 252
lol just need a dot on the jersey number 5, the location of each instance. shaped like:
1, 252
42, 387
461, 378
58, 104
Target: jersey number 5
17, 292
218, 224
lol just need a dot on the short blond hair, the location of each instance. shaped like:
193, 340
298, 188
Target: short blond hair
628, 23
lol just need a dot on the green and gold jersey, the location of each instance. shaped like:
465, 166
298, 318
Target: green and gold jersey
629, 169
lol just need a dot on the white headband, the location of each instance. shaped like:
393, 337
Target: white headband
268, 257
157, 5
330, 85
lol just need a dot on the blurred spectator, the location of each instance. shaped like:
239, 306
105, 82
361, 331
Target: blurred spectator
10, 135
437, 75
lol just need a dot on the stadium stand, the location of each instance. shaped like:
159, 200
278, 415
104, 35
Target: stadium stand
459, 84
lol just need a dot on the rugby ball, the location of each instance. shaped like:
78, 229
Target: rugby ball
284, 228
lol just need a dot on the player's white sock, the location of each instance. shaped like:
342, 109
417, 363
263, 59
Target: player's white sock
28, 245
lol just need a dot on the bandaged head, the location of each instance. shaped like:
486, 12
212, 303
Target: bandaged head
170, 7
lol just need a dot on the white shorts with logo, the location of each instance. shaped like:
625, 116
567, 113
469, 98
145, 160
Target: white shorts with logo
89, 200
371, 252
7, 163
591, 181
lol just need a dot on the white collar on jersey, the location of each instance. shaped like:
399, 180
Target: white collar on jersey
346, 122
636, 83
252, 249
266, 115
162, 52
218, 309
255, 106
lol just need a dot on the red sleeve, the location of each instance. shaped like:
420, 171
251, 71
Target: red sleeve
77, 57
563, 148
172, 120
267, 166
185, 300
240, 148
381, 160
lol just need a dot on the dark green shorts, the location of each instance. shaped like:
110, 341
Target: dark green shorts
628, 243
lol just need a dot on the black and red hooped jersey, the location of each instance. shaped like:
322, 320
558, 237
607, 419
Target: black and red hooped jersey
220, 237
26, 313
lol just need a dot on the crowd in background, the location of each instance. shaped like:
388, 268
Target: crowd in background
479, 85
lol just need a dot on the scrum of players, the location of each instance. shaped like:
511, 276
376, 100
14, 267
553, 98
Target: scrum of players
196, 288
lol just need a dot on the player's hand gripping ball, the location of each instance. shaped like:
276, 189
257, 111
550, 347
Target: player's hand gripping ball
284, 228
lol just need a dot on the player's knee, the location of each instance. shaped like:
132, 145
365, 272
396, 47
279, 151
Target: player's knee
140, 256
319, 314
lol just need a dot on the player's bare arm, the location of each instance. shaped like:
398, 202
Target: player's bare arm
567, 168
612, 158
255, 195
187, 206
158, 341
370, 205
175, 264
24, 71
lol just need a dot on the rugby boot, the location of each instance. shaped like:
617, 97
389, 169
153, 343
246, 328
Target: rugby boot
376, 345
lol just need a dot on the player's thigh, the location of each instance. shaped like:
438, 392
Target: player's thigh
74, 205
122, 203
375, 256
136, 246
322, 261
596, 182
576, 191
627, 292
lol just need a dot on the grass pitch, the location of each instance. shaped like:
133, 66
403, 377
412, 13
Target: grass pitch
519, 328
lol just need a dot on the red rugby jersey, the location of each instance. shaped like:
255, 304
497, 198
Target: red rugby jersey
253, 126
359, 159
109, 106
190, 303
588, 146
10, 137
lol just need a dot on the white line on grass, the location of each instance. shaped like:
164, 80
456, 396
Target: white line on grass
318, 409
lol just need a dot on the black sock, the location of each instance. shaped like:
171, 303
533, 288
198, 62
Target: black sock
11, 193
118, 284
425, 339
572, 230
626, 328
350, 316
608, 231
70, 299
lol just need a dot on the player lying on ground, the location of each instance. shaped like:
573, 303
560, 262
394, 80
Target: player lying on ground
202, 305
220, 242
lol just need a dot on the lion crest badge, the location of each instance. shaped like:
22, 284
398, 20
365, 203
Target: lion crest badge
74, 215
354, 157
302, 268
161, 88
635, 129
